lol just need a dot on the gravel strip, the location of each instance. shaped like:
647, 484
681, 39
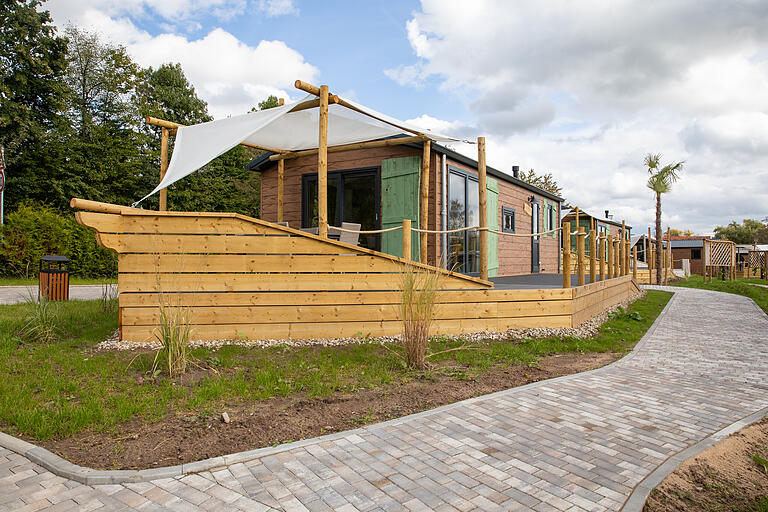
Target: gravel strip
588, 329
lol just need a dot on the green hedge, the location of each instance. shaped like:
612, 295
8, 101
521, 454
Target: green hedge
33, 231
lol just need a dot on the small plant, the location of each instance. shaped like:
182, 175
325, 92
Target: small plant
41, 325
417, 311
108, 297
760, 461
622, 314
173, 335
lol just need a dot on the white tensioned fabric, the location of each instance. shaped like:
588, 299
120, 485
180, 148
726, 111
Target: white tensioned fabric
278, 128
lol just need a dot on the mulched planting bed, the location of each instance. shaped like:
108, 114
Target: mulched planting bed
730, 476
186, 437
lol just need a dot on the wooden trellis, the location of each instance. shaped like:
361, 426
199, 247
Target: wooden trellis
757, 263
719, 255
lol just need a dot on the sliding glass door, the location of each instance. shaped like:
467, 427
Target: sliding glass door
463, 211
353, 196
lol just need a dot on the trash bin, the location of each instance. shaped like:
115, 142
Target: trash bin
54, 278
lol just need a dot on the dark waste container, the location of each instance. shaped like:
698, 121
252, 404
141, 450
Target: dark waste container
54, 278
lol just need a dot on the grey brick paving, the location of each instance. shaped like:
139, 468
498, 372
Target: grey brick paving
577, 443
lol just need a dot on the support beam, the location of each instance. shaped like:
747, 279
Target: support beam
616, 266
602, 257
407, 239
350, 147
483, 204
623, 249
424, 200
322, 165
580, 255
163, 167
566, 254
280, 190
610, 258
592, 256
634, 263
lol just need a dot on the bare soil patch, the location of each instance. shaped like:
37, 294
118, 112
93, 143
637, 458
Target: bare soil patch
725, 477
187, 437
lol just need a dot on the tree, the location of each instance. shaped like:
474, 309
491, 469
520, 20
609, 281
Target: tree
270, 102
678, 232
544, 181
101, 79
32, 89
660, 182
166, 93
748, 232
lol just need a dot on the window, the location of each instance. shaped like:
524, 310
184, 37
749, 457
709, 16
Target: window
507, 219
695, 254
552, 219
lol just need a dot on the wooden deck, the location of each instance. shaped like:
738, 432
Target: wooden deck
244, 278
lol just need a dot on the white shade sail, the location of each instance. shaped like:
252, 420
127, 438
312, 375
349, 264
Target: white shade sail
281, 129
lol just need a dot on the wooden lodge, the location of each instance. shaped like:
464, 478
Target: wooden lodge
379, 187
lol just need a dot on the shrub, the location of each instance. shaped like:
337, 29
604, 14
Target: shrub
41, 324
32, 231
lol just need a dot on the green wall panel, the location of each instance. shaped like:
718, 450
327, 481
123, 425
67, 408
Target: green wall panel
400, 200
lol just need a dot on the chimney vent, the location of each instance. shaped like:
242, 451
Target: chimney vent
516, 171
607, 216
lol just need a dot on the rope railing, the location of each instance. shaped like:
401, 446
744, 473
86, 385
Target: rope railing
366, 232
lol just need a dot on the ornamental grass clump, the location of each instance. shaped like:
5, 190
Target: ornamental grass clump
173, 335
41, 325
417, 311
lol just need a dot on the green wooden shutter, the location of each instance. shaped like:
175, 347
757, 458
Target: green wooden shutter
545, 215
399, 200
492, 186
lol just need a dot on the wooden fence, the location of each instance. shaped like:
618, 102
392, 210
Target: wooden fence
244, 278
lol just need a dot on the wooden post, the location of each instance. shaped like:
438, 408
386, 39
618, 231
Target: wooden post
610, 257
280, 189
163, 167
577, 218
616, 267
483, 192
281, 102
634, 263
602, 257
623, 248
407, 239
566, 255
424, 200
592, 256
322, 165
580, 255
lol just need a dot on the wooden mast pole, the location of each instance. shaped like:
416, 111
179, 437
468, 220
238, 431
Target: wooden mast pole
623, 249
602, 256
280, 189
580, 255
163, 167
322, 165
482, 191
424, 200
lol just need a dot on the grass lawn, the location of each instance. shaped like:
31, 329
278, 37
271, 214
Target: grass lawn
32, 281
739, 287
57, 389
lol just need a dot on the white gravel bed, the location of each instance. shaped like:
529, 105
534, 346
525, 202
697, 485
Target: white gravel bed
587, 329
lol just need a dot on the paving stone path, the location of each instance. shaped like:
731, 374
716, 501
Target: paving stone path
576, 443
16, 294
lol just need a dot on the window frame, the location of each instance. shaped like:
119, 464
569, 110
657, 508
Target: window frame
508, 210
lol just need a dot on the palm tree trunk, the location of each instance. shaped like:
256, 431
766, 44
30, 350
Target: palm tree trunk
658, 239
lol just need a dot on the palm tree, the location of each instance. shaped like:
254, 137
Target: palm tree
660, 182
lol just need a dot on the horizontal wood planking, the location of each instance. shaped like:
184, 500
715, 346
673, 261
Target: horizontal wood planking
205, 263
344, 329
331, 298
202, 315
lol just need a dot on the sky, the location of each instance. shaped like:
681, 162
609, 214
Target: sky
583, 90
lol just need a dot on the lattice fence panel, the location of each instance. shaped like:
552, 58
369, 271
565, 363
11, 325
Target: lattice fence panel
721, 253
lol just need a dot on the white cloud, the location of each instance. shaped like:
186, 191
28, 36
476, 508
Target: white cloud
585, 89
229, 74
273, 8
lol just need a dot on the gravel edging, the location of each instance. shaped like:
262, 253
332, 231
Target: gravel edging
61, 467
587, 329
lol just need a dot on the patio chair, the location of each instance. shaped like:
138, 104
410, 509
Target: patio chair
347, 238
311, 231
282, 224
